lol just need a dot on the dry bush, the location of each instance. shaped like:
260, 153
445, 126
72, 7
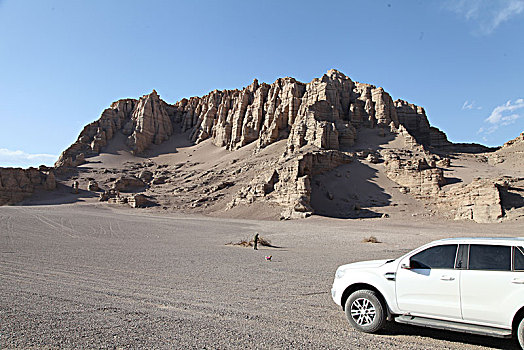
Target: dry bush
263, 241
250, 242
371, 239
242, 243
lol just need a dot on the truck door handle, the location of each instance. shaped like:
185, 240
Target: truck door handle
518, 281
447, 278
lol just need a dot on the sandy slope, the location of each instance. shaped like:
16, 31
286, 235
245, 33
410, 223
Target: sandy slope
193, 172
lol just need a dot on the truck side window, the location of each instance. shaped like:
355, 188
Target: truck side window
518, 259
489, 257
438, 257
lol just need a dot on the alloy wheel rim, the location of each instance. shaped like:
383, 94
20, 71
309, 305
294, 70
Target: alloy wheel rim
363, 311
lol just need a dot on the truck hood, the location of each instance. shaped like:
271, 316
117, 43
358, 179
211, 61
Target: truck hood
363, 264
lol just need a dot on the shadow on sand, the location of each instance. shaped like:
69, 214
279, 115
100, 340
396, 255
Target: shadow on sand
450, 180
471, 148
62, 195
118, 146
347, 192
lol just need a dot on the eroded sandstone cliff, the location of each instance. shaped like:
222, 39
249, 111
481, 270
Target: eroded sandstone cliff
320, 123
324, 113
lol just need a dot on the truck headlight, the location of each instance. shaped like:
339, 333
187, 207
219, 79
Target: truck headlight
340, 273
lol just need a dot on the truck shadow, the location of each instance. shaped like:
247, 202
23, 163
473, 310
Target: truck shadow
397, 329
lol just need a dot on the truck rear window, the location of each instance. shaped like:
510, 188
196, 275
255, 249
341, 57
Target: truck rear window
489, 257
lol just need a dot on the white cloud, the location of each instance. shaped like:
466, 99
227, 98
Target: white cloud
498, 114
512, 8
487, 14
9, 158
510, 119
502, 115
488, 130
470, 105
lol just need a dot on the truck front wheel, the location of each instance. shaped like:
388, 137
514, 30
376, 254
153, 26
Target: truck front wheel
365, 311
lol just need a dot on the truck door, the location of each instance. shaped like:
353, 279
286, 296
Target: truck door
427, 283
490, 289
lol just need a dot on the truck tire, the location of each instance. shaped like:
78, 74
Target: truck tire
365, 311
520, 333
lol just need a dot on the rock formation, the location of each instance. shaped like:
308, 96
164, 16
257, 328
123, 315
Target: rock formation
128, 183
289, 183
479, 201
484, 200
414, 173
139, 201
93, 186
17, 184
145, 121
319, 124
149, 123
324, 113
95, 135
517, 142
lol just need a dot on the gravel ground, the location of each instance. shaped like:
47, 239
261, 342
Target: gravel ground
88, 276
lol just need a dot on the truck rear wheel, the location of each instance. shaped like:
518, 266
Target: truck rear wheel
365, 311
520, 333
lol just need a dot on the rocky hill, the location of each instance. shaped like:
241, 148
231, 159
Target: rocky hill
331, 147
324, 113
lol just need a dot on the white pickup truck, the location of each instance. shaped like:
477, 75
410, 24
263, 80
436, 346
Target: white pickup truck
473, 285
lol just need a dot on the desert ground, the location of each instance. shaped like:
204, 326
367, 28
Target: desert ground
92, 275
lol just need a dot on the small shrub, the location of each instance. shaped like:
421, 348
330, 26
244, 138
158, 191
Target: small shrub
250, 242
242, 243
371, 239
263, 241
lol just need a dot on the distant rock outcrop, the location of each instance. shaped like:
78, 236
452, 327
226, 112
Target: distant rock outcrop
289, 183
485, 200
479, 201
417, 175
145, 121
517, 142
17, 184
128, 183
139, 201
149, 124
325, 113
510, 154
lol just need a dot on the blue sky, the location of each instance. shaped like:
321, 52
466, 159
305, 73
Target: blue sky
64, 62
